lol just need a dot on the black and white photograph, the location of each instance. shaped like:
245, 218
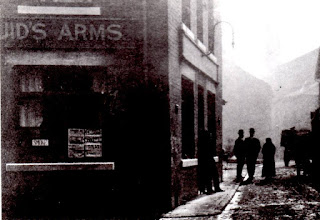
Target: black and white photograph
160, 109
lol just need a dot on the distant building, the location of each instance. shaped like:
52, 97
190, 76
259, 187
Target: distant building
102, 102
248, 104
296, 94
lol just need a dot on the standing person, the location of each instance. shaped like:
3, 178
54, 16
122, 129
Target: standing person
239, 151
268, 151
253, 148
207, 166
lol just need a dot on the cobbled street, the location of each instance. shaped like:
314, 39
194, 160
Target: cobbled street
286, 197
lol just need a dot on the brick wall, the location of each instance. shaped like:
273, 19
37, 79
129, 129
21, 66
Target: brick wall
174, 22
219, 100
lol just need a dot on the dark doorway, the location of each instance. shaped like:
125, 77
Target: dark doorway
200, 109
188, 145
211, 100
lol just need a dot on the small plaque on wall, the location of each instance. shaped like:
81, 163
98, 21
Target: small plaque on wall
40, 142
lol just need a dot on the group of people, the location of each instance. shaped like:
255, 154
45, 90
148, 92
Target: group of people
247, 151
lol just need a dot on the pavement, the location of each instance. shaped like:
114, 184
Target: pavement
284, 197
209, 206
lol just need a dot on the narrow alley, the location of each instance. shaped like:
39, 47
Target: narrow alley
286, 197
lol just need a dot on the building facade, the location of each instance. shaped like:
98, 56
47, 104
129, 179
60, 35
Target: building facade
294, 82
102, 103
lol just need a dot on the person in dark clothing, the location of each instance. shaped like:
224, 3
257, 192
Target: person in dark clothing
240, 152
206, 164
287, 141
315, 150
253, 148
268, 151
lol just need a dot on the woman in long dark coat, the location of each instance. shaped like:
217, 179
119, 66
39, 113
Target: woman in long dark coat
268, 151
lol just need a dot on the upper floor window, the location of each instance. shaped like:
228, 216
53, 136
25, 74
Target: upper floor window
186, 18
210, 26
200, 20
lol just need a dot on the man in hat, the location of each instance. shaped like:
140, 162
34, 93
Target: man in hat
253, 147
239, 151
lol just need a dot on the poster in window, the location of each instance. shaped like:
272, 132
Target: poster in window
76, 150
75, 143
84, 143
93, 150
93, 142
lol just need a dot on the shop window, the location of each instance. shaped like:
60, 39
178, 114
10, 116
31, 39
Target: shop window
31, 82
186, 12
210, 25
30, 108
200, 20
31, 114
99, 82
188, 141
61, 80
64, 106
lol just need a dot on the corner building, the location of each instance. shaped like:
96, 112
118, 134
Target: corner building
102, 102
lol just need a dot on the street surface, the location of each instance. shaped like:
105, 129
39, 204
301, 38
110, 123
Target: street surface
286, 197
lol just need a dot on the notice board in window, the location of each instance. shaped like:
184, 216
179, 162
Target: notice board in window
84, 143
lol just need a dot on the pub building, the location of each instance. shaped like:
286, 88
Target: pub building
102, 102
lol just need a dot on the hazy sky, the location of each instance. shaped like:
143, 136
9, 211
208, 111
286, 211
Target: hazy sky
270, 32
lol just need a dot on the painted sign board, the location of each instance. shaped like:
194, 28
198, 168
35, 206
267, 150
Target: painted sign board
62, 33
68, 8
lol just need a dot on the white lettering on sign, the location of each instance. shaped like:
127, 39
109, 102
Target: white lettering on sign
21, 31
71, 32
40, 142
96, 33
81, 31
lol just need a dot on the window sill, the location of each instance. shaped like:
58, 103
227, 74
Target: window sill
18, 167
189, 162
